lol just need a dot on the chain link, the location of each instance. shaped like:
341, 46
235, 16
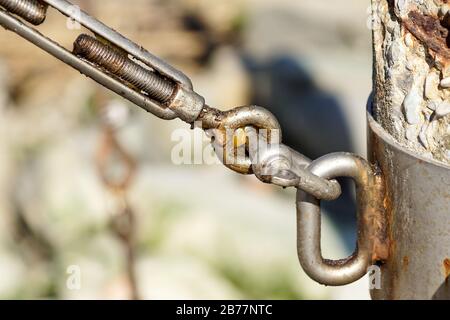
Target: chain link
262, 152
117, 168
369, 204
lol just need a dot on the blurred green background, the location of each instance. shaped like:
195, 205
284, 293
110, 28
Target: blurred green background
202, 232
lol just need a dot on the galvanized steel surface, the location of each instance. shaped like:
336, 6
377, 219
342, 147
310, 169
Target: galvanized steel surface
418, 213
368, 197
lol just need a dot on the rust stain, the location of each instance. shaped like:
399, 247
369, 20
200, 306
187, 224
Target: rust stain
381, 239
429, 30
376, 147
405, 263
389, 211
374, 218
447, 269
380, 213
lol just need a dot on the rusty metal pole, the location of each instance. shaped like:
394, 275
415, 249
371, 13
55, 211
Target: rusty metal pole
418, 211
409, 139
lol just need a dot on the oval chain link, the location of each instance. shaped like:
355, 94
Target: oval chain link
261, 151
369, 202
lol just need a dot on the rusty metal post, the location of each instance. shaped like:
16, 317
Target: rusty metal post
417, 204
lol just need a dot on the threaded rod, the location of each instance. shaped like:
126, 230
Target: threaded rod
120, 65
32, 11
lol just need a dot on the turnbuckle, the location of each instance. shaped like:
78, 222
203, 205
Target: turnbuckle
142, 78
110, 59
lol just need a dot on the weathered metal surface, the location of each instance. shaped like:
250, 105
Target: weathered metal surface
430, 30
417, 205
119, 64
184, 95
186, 103
32, 11
137, 51
11, 23
370, 216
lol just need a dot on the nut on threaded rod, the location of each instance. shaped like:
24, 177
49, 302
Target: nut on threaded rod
32, 11
121, 66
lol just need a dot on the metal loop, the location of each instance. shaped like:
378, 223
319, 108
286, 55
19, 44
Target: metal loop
368, 197
240, 118
262, 153
285, 167
255, 116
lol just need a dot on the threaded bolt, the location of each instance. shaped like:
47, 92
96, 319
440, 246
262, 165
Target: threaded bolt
121, 66
32, 11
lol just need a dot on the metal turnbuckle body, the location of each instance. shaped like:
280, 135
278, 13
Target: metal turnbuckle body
137, 71
132, 72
